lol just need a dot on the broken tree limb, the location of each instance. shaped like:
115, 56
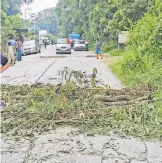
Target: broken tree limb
74, 120
122, 103
113, 99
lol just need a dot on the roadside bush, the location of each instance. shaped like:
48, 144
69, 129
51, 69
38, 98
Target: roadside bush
116, 52
108, 45
146, 36
142, 59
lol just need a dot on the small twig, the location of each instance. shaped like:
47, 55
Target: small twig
76, 120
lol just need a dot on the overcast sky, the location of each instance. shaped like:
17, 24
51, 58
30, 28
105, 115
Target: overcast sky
39, 5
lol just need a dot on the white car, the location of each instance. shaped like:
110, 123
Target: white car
79, 45
31, 47
63, 47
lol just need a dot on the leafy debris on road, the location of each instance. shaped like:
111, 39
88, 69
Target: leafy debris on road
95, 109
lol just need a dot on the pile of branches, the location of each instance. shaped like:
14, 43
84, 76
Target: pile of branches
40, 107
119, 98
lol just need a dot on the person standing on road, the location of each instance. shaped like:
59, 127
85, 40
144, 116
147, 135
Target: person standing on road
98, 48
11, 53
19, 50
72, 43
11, 46
86, 45
45, 44
68, 41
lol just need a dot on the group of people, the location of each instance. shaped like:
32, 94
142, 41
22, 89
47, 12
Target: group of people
14, 51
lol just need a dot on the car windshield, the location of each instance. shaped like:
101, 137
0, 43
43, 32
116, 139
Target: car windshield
80, 42
61, 41
29, 43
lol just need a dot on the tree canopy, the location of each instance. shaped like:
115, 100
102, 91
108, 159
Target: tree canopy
100, 18
47, 20
10, 19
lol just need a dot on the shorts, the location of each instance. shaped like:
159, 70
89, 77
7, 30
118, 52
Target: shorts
98, 51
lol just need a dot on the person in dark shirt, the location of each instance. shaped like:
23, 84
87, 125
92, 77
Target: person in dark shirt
5, 63
45, 44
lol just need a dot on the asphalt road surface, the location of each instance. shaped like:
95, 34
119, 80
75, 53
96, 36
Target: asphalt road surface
44, 67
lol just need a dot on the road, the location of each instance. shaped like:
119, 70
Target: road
65, 144
34, 68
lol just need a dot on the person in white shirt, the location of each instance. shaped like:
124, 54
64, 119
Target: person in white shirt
11, 53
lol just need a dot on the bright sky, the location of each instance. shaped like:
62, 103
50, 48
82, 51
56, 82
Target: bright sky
39, 5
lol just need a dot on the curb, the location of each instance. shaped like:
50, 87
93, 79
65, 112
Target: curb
90, 55
52, 56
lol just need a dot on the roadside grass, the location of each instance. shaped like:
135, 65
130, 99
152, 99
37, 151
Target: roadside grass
133, 73
112, 60
34, 109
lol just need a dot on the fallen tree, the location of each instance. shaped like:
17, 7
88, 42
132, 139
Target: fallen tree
37, 108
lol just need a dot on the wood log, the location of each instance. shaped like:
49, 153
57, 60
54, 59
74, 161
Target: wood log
122, 103
114, 99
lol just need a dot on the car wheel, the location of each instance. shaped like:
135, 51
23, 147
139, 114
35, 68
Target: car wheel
70, 53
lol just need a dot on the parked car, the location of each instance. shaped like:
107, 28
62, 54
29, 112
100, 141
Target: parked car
31, 47
63, 47
73, 42
79, 45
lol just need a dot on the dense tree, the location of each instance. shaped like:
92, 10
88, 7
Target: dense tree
47, 20
10, 19
100, 18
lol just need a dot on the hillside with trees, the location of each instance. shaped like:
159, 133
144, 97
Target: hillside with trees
101, 18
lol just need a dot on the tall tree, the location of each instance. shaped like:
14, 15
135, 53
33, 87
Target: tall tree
100, 18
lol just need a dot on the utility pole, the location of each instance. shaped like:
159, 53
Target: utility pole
33, 16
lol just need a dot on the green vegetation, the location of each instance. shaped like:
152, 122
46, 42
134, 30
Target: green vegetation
38, 108
10, 19
47, 20
142, 60
81, 103
100, 18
